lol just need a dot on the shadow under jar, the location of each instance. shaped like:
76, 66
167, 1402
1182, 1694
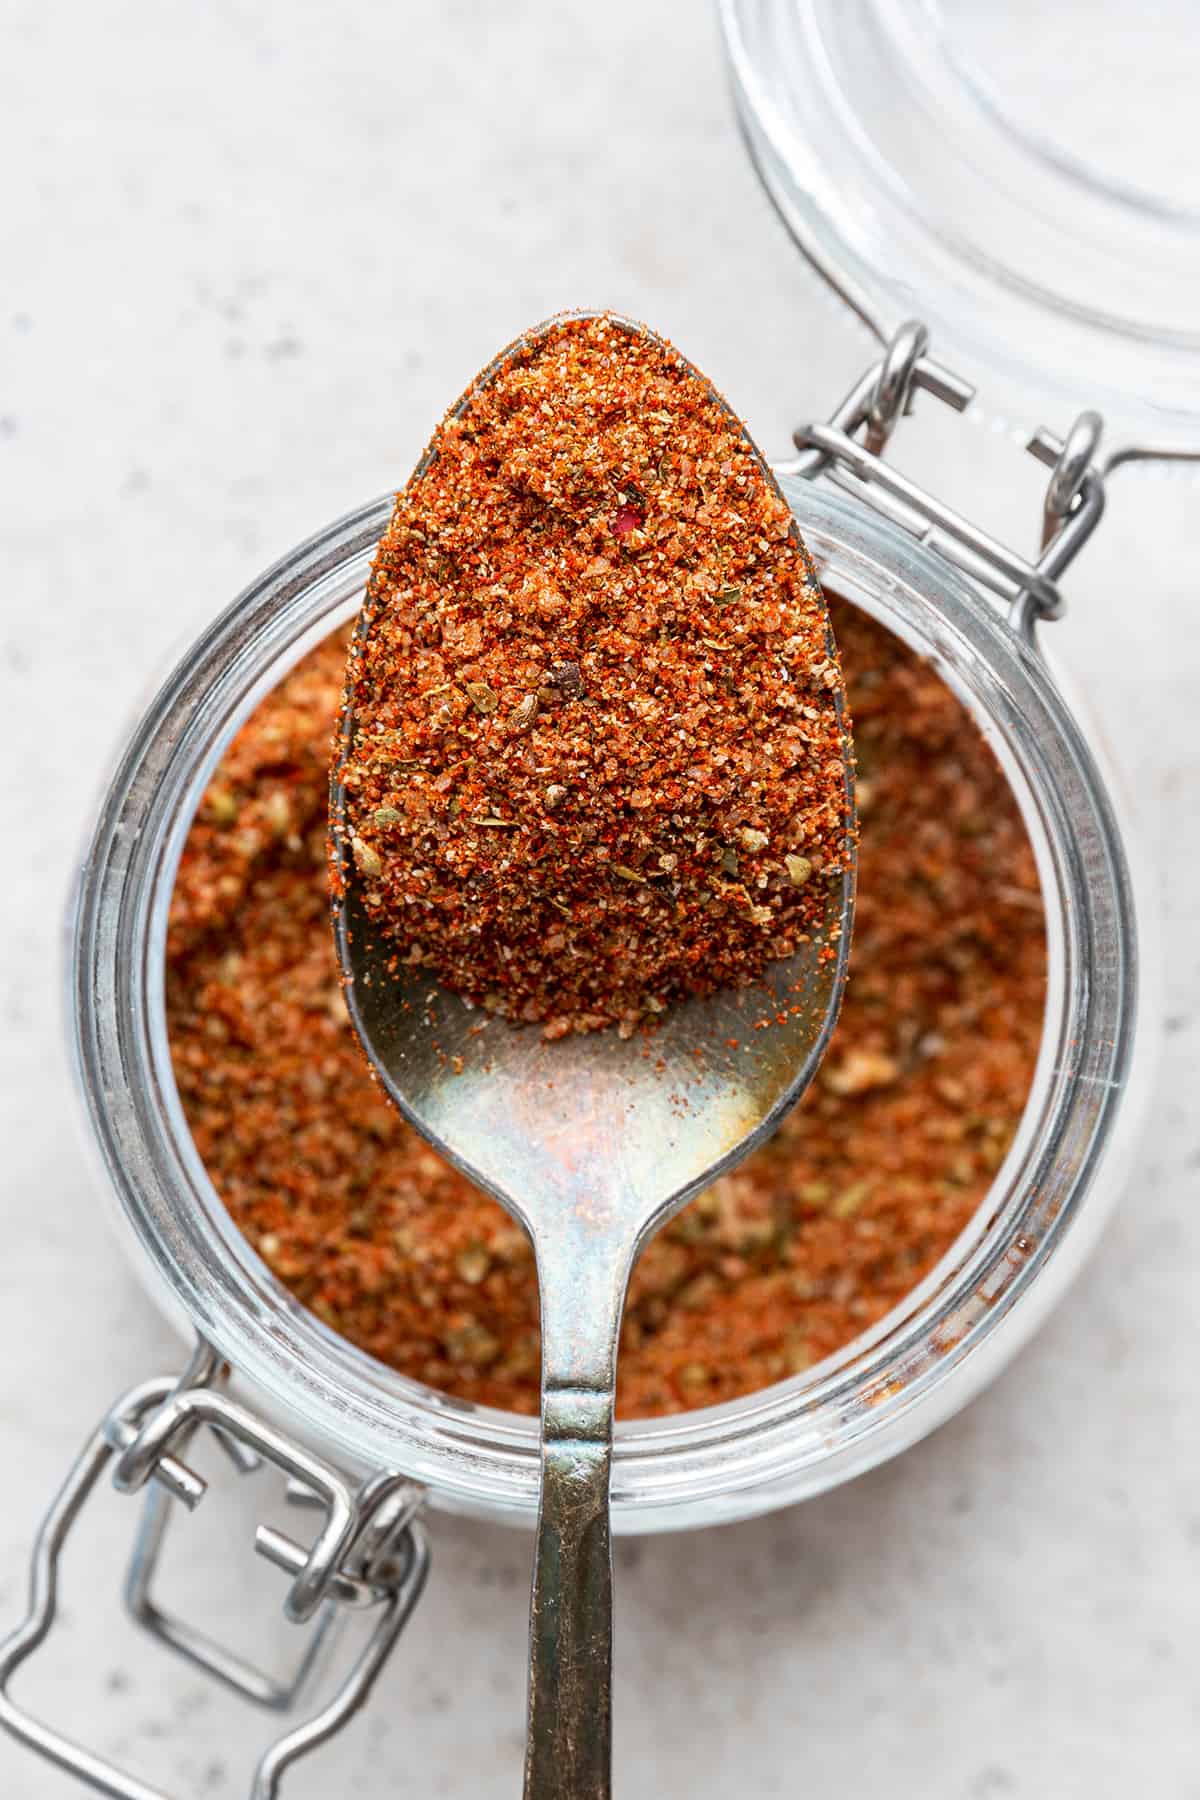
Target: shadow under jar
948, 1337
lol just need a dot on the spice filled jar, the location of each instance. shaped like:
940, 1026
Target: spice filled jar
368, 1442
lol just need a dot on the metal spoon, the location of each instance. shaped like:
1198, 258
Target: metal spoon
591, 1145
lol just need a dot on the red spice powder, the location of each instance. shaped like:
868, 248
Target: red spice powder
597, 760
808, 1243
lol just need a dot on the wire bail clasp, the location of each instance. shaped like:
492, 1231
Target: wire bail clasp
369, 1553
848, 449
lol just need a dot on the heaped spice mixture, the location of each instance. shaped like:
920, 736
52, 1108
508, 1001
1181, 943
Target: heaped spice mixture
806, 1245
597, 755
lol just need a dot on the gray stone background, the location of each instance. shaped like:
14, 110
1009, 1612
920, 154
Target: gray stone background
250, 250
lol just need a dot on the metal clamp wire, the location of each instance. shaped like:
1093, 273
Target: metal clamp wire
395, 1603
173, 1423
1074, 500
1074, 460
892, 395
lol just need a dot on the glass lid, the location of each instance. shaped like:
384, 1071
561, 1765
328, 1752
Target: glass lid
1025, 179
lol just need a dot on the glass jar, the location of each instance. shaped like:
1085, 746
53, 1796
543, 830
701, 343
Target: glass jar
883, 1391
1063, 285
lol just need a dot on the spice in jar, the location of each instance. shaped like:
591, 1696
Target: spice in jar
595, 753
808, 1243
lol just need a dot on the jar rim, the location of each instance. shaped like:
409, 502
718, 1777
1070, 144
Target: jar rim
884, 1390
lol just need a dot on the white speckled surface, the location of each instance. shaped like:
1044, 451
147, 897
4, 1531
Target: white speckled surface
250, 251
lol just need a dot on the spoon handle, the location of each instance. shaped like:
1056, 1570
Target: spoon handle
569, 1745
583, 1268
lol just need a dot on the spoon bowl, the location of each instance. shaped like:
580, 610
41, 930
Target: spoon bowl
591, 1142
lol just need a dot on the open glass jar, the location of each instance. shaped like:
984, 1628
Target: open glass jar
361, 1437
949, 1336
